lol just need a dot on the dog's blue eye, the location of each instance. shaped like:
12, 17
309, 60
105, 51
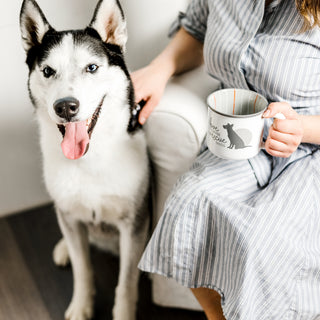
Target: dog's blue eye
48, 72
92, 68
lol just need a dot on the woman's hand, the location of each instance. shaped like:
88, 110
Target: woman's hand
183, 53
284, 135
149, 84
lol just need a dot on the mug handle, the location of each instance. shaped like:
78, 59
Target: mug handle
278, 115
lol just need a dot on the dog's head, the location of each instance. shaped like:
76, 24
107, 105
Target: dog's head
228, 126
75, 75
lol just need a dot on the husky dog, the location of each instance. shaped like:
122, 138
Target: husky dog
95, 161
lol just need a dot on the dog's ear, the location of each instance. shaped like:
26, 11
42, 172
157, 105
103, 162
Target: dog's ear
33, 24
108, 20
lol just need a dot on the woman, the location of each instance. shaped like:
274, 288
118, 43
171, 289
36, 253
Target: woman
245, 235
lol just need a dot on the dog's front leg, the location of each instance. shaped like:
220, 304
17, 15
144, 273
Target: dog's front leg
131, 247
76, 237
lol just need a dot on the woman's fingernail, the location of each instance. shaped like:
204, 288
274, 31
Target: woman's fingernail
142, 120
266, 113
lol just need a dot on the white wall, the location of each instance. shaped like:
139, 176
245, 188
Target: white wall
21, 185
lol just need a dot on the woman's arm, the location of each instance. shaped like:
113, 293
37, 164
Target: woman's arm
183, 53
311, 129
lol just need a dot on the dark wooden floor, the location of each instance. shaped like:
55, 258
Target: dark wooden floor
33, 288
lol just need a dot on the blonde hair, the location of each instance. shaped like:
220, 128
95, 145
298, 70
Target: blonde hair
310, 11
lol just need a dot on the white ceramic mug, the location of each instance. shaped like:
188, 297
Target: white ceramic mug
235, 127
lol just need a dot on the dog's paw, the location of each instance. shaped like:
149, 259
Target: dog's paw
60, 254
79, 310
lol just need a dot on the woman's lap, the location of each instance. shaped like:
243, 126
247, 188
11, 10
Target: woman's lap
220, 230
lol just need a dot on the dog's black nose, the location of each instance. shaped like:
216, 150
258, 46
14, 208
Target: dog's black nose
66, 107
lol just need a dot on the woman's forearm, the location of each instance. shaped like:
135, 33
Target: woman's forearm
311, 129
183, 53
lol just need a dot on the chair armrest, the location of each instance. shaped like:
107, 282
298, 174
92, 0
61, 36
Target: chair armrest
185, 99
176, 129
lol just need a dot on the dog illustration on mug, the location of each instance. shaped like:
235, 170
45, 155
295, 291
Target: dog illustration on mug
235, 140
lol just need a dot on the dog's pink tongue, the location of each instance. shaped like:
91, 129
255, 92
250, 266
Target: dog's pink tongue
75, 140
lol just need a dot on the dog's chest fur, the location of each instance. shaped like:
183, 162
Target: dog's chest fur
108, 183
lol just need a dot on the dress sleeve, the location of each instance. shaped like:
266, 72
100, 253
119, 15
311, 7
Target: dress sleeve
194, 20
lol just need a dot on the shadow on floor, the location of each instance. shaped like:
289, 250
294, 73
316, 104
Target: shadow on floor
31, 284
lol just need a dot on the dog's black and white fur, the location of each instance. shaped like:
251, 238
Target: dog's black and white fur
82, 92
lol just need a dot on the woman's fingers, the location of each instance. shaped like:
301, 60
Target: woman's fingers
149, 84
151, 103
285, 135
281, 144
280, 107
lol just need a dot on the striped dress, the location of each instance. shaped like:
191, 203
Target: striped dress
250, 229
